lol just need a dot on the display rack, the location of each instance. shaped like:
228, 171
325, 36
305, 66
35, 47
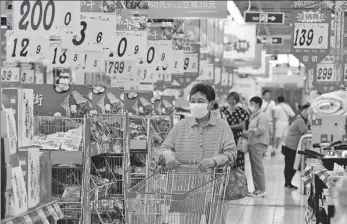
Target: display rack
89, 182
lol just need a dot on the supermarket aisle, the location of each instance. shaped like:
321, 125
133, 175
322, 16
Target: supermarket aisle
280, 206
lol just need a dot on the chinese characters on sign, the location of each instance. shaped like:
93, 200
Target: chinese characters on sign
187, 9
311, 44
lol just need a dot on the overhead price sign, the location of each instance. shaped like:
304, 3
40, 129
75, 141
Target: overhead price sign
188, 9
131, 37
271, 40
311, 35
46, 17
264, 17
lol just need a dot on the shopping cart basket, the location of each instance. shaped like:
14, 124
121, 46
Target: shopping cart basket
184, 196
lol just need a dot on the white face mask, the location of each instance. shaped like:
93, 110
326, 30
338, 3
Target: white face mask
252, 109
199, 110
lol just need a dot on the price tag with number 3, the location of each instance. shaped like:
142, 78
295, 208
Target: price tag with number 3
326, 73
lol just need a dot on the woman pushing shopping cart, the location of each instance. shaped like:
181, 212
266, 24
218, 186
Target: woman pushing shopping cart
185, 194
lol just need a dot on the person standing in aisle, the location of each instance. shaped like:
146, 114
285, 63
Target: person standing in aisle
236, 117
298, 128
283, 113
258, 140
202, 138
268, 107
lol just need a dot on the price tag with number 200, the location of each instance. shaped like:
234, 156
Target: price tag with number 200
326, 73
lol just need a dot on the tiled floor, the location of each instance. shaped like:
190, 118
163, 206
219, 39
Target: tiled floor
280, 206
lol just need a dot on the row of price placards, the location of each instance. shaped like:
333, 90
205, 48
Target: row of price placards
112, 43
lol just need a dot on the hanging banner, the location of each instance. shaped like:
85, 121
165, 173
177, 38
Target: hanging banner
239, 43
44, 18
188, 9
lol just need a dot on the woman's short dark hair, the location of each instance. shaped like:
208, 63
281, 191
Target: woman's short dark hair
304, 107
257, 100
205, 89
234, 95
265, 91
215, 106
280, 99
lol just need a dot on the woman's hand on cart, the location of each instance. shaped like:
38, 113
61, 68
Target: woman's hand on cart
207, 165
170, 160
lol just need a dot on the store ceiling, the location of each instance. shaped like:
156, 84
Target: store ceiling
284, 30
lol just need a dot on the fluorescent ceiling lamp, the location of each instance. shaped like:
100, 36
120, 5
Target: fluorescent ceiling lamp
235, 13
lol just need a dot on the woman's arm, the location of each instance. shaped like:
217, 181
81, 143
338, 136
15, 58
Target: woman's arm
228, 152
238, 126
261, 125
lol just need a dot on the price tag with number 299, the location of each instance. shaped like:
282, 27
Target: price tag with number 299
326, 73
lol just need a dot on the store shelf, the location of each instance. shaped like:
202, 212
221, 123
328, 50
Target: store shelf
48, 212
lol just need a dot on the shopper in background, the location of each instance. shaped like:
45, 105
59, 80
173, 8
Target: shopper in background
268, 107
340, 202
236, 117
283, 113
258, 140
291, 140
203, 138
217, 112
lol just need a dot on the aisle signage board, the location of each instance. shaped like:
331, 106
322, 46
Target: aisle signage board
271, 40
188, 9
311, 39
42, 18
264, 17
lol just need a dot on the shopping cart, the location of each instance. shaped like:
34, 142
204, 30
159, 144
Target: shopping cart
181, 196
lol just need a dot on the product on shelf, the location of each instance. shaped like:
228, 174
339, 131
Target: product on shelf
45, 176
9, 131
20, 199
76, 106
30, 163
22, 101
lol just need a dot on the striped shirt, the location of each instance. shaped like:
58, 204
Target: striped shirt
192, 142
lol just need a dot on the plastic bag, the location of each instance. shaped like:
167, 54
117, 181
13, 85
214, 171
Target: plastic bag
242, 145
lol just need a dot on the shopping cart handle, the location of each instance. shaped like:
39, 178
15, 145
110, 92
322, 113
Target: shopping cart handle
316, 145
335, 143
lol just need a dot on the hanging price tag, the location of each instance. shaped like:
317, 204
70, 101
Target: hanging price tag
144, 73
311, 36
160, 53
10, 74
116, 68
67, 21
38, 78
43, 17
42, 216
326, 73
190, 63
57, 56
27, 76
76, 59
177, 66
39, 48
95, 61
130, 45
18, 47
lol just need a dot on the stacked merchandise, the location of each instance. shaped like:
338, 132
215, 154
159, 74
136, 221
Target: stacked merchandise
26, 184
